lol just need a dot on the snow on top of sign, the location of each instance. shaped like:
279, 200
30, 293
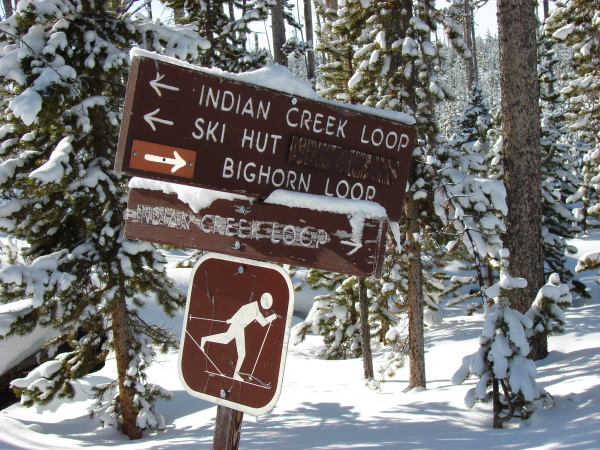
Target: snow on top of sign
279, 78
364, 208
196, 198
199, 198
357, 210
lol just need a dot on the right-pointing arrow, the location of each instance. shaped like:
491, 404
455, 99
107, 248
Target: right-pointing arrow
151, 119
356, 245
177, 161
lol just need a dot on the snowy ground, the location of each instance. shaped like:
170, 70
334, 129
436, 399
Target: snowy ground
324, 404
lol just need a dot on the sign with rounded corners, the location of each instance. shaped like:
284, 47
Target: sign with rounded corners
235, 332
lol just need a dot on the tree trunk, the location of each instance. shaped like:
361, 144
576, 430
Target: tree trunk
8, 9
278, 23
310, 55
496, 404
416, 338
122, 343
228, 428
468, 26
365, 332
178, 14
522, 152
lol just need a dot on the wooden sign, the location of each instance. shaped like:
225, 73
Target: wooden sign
235, 333
297, 236
190, 127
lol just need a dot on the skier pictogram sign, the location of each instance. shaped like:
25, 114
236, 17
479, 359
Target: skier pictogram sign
235, 334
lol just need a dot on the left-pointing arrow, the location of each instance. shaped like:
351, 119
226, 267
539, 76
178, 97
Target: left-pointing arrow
156, 85
151, 119
177, 161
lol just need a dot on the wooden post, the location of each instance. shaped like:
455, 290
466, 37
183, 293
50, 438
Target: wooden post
365, 332
228, 427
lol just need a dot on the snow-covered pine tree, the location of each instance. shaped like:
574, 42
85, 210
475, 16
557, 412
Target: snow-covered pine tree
335, 316
546, 312
64, 64
506, 375
474, 203
342, 28
226, 25
559, 179
470, 138
576, 23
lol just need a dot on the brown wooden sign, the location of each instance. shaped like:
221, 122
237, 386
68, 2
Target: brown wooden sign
190, 127
297, 236
235, 332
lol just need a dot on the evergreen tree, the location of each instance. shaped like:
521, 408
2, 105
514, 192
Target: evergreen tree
559, 180
63, 64
501, 361
226, 25
575, 23
546, 312
381, 55
335, 316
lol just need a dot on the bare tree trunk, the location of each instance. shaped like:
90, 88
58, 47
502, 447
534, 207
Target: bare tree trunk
468, 35
122, 343
8, 8
522, 153
365, 332
228, 429
178, 14
278, 23
416, 338
474, 48
310, 55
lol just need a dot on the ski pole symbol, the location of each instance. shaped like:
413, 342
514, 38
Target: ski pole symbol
151, 119
156, 85
177, 161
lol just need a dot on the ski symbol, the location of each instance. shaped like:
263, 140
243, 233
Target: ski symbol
177, 162
151, 119
156, 85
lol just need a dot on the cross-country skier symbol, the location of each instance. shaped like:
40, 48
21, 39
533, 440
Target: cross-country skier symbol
237, 325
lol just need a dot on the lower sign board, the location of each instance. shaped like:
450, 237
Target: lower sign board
297, 236
235, 333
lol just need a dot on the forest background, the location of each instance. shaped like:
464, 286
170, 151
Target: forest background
477, 162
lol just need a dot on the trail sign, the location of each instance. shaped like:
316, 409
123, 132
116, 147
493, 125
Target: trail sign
274, 233
187, 126
235, 333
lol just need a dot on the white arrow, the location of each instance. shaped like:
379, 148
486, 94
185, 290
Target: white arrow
151, 119
156, 85
177, 162
356, 245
